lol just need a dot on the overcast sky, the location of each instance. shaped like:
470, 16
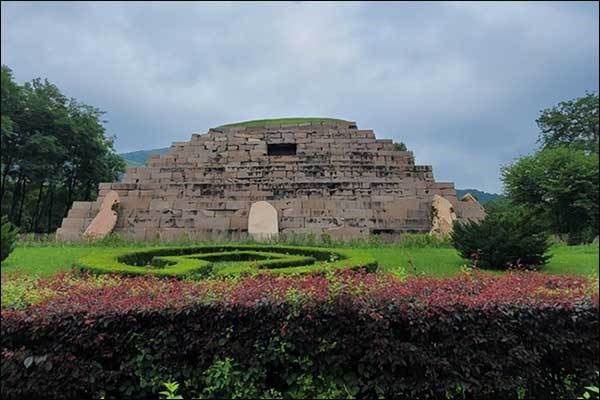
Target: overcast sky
460, 83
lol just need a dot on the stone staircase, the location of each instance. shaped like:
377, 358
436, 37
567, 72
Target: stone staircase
75, 223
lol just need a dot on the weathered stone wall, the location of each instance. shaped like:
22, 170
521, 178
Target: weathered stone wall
342, 180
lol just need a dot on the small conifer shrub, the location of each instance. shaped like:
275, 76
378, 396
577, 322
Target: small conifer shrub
502, 240
9, 234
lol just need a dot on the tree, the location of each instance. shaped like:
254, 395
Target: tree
54, 150
400, 146
501, 204
573, 122
505, 239
11, 106
560, 185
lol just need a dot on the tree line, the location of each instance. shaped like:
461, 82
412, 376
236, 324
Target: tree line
54, 150
553, 191
557, 186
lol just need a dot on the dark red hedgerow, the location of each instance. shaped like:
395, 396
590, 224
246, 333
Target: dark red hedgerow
493, 335
471, 290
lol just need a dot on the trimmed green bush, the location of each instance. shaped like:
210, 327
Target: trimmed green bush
502, 240
9, 235
223, 260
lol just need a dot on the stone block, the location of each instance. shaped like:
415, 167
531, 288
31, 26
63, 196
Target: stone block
313, 203
292, 222
130, 203
296, 212
239, 222
78, 213
212, 223
82, 205
67, 234
236, 205
172, 234
73, 223
158, 204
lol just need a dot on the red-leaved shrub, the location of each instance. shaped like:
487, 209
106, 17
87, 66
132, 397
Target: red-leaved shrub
421, 337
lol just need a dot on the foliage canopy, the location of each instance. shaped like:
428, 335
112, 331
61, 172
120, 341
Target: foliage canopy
502, 240
560, 186
573, 122
54, 150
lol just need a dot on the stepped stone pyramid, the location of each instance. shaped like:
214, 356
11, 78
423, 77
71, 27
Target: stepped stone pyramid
320, 176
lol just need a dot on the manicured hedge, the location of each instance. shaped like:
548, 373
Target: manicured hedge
198, 261
365, 335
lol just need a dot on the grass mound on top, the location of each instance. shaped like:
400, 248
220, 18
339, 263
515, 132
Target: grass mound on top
223, 260
279, 121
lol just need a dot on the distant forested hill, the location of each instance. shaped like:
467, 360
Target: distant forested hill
482, 197
138, 159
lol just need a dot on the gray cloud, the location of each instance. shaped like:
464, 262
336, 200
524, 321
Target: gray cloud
460, 83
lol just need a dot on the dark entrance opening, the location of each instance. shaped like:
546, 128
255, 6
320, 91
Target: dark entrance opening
281, 149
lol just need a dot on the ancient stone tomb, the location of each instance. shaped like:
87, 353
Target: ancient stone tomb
315, 177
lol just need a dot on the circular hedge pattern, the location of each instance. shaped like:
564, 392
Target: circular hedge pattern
224, 260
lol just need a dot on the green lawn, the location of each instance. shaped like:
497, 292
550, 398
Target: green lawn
280, 121
580, 260
430, 261
44, 261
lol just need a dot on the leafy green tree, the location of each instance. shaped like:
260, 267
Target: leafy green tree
573, 122
54, 150
560, 186
499, 204
11, 106
400, 146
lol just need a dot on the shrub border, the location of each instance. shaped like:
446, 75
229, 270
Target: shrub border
294, 259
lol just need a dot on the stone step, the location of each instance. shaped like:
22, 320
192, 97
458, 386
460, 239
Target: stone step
82, 205
75, 223
80, 213
68, 234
